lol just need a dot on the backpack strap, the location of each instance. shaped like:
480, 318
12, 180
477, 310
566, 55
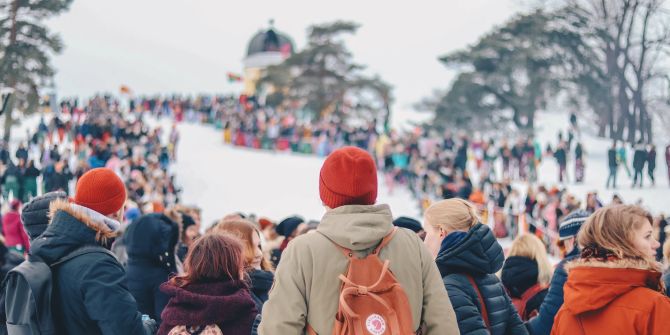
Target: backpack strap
87, 249
386, 240
526, 296
484, 312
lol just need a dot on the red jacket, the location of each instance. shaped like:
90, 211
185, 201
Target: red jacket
13, 230
614, 297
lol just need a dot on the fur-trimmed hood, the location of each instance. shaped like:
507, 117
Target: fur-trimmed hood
70, 227
594, 284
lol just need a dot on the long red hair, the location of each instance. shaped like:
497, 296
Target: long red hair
213, 257
244, 230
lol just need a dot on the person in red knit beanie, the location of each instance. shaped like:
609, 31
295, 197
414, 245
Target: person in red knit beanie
90, 289
307, 275
348, 177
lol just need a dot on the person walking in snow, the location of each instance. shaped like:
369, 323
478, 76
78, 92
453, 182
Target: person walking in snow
579, 162
613, 164
307, 276
651, 164
639, 160
615, 287
622, 156
667, 160
562, 160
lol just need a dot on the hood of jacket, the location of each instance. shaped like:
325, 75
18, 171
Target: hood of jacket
592, 285
477, 253
159, 229
357, 227
519, 274
207, 303
72, 226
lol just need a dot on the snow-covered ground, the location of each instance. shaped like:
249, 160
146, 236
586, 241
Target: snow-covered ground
222, 179
654, 198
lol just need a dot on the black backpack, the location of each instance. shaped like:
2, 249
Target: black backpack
27, 291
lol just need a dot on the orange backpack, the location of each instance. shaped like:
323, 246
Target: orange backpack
521, 304
372, 302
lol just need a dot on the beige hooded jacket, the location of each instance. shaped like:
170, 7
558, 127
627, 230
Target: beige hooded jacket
307, 288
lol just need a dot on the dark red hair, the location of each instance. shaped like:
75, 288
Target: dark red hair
213, 257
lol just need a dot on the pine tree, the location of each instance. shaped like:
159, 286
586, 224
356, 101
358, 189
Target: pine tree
26, 46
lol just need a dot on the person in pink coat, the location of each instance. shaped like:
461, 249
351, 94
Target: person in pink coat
15, 236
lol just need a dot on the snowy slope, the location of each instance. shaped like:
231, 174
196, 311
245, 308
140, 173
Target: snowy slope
222, 179
654, 198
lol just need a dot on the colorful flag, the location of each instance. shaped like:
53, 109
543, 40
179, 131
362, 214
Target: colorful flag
232, 77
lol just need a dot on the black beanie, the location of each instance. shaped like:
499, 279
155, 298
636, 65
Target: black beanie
409, 223
35, 214
288, 225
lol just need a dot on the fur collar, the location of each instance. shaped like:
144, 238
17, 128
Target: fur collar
625, 263
104, 227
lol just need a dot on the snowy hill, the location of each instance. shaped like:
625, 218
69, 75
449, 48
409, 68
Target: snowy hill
654, 198
223, 179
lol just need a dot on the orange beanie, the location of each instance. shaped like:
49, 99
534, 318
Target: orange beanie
348, 177
100, 190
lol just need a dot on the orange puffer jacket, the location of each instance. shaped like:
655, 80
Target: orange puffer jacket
614, 297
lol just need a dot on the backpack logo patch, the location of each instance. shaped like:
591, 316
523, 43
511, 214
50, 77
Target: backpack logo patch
375, 324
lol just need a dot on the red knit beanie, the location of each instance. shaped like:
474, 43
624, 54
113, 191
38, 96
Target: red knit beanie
100, 190
348, 177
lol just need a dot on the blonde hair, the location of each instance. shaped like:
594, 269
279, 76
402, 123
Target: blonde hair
612, 228
530, 246
452, 214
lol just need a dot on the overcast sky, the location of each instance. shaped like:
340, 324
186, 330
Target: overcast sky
188, 46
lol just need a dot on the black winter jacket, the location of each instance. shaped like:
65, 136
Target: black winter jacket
518, 275
639, 157
542, 324
151, 242
90, 294
261, 283
480, 256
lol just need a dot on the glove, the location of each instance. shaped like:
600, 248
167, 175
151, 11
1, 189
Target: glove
149, 326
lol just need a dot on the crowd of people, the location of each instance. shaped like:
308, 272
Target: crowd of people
124, 256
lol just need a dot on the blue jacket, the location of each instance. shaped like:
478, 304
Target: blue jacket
543, 323
479, 255
151, 242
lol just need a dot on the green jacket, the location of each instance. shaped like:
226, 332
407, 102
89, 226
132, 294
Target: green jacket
307, 289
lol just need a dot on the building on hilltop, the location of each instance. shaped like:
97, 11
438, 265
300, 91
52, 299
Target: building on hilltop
268, 47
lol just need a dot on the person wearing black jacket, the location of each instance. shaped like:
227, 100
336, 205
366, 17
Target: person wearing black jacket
613, 164
468, 256
89, 291
651, 164
562, 160
151, 243
639, 161
568, 229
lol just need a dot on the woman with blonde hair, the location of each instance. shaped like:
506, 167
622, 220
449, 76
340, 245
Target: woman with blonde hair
468, 256
257, 267
615, 288
526, 274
